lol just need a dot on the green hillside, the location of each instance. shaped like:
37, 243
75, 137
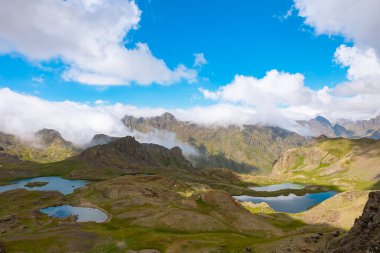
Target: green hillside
345, 163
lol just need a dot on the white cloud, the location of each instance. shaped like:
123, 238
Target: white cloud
277, 88
356, 20
199, 60
88, 36
361, 63
23, 115
283, 97
363, 71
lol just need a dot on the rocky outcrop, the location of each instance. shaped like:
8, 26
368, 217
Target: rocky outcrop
364, 236
101, 139
129, 156
49, 137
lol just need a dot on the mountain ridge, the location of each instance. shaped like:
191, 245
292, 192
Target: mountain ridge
246, 148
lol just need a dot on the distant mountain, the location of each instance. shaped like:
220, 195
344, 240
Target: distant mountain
343, 128
48, 146
240, 148
322, 126
364, 128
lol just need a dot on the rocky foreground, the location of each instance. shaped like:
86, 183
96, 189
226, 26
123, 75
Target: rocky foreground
364, 236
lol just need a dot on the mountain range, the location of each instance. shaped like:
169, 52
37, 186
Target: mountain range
246, 148
343, 128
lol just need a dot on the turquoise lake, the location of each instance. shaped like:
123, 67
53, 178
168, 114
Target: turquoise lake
65, 186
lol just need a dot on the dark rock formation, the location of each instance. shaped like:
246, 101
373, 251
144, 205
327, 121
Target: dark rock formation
100, 139
364, 236
130, 156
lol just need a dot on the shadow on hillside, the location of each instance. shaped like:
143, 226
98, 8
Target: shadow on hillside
375, 186
206, 161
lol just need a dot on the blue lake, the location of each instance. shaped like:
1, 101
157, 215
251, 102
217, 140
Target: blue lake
291, 203
65, 186
277, 187
84, 214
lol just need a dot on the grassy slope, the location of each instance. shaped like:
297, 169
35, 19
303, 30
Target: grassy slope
344, 163
29, 151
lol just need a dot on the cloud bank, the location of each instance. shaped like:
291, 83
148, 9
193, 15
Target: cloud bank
357, 21
89, 36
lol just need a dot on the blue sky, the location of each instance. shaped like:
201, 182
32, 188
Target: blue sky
272, 62
237, 37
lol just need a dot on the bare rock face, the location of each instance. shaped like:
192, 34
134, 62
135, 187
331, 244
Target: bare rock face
364, 236
101, 139
130, 156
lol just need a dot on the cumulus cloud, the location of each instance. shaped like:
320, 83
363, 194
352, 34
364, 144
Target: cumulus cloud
199, 60
361, 63
358, 21
363, 71
284, 97
275, 88
89, 36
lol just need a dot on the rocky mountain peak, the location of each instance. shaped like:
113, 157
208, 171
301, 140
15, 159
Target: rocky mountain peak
323, 121
127, 155
126, 143
101, 139
168, 117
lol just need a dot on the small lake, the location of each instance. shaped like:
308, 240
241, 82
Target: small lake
277, 187
65, 186
84, 214
291, 203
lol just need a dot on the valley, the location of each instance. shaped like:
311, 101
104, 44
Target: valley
149, 198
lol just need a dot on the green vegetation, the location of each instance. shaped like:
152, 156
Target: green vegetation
343, 163
36, 184
37, 150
